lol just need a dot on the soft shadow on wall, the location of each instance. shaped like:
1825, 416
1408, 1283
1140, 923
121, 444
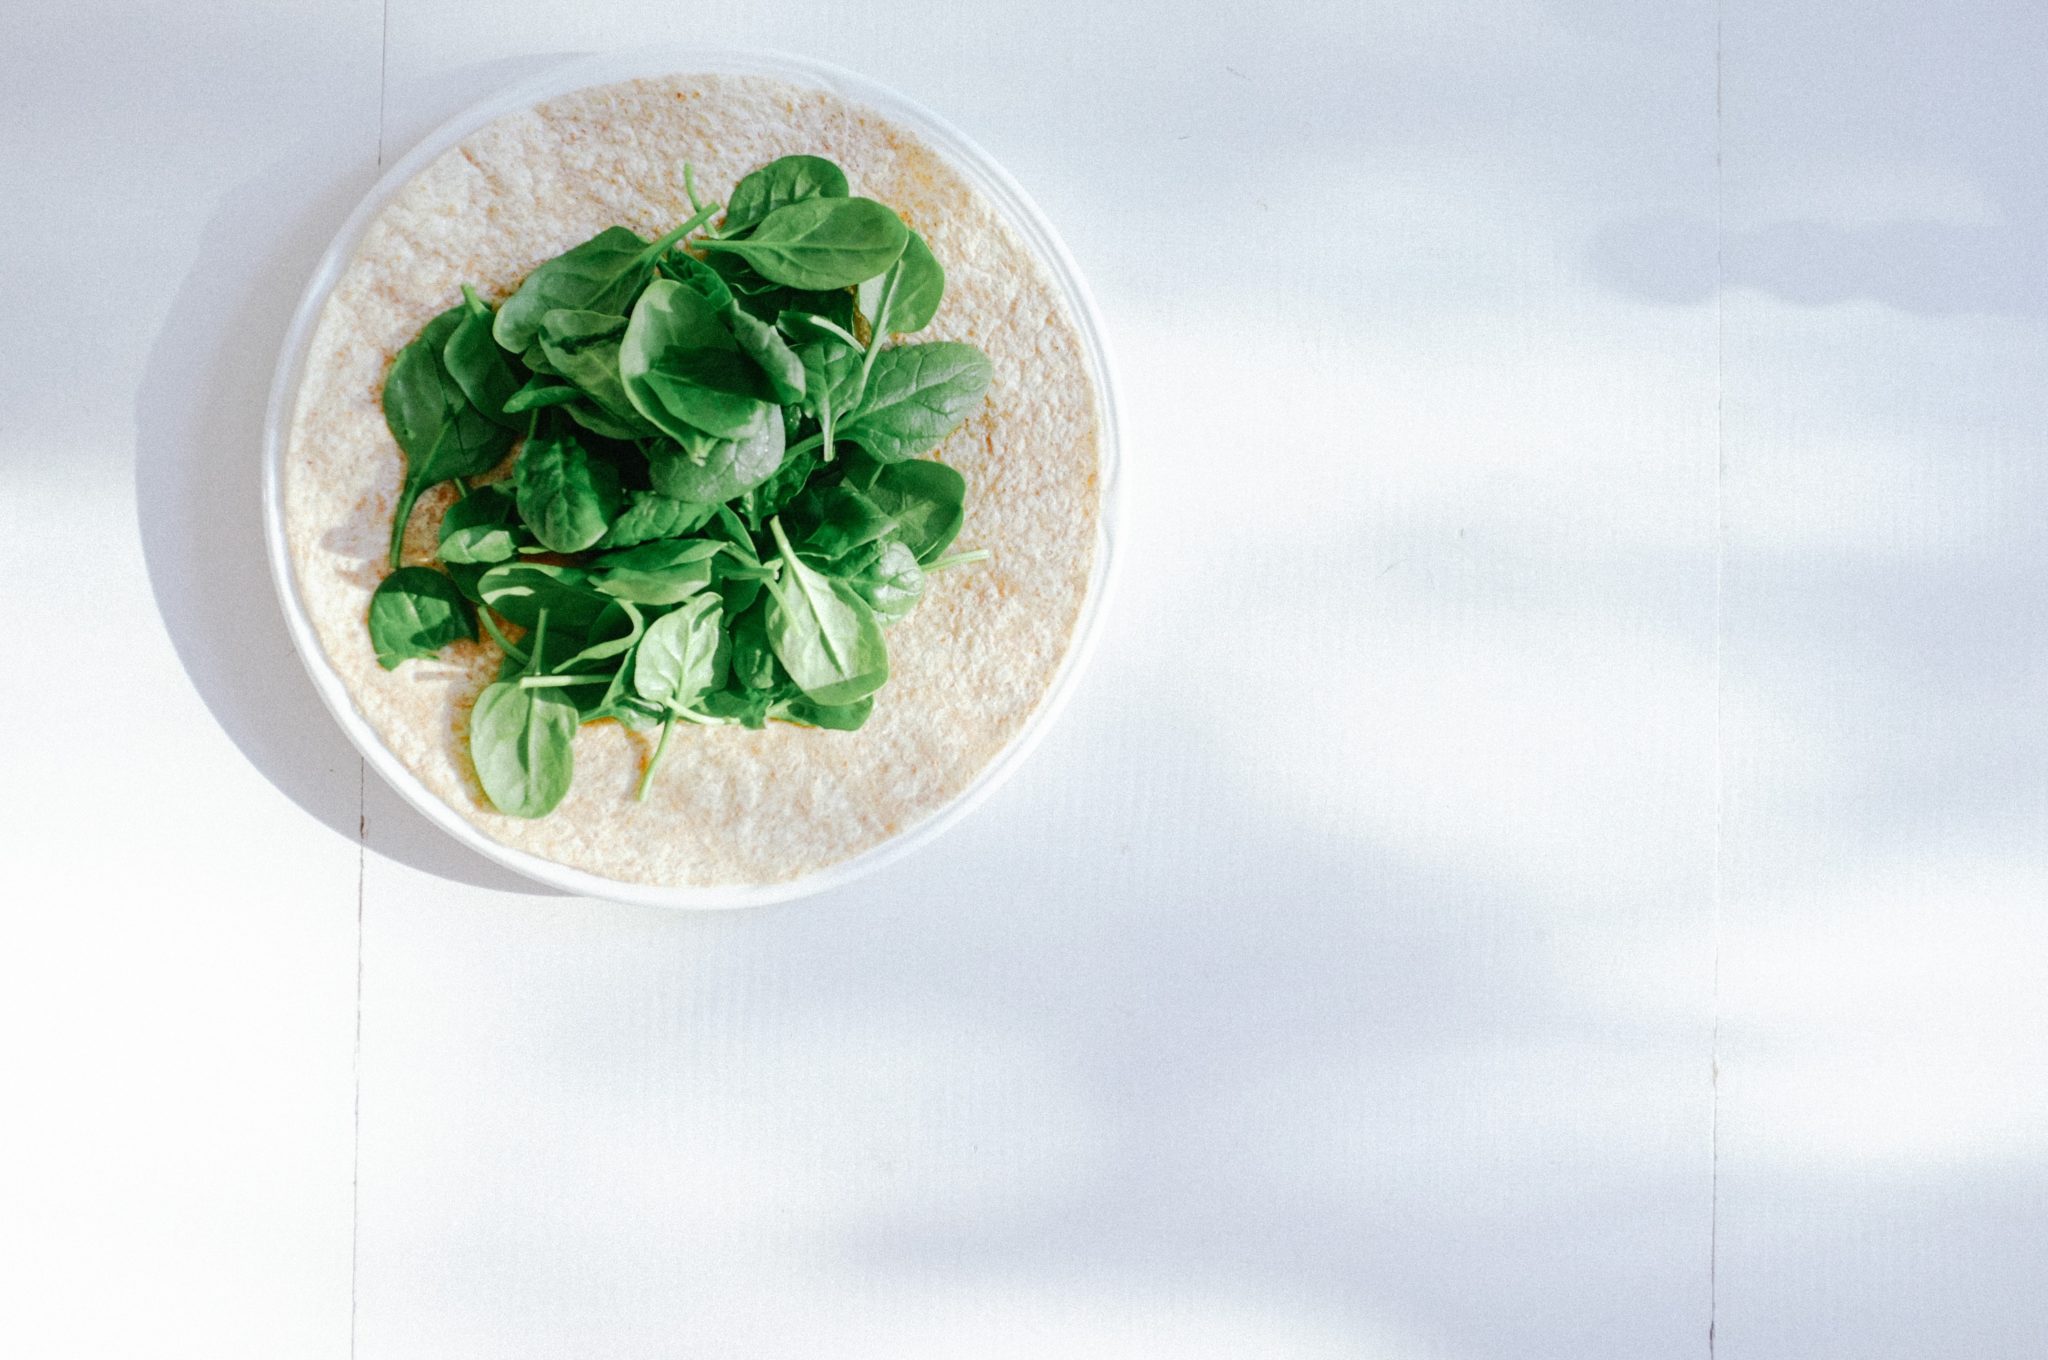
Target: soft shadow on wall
198, 470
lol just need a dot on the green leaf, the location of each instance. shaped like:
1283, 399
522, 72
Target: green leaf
926, 500
763, 344
828, 522
415, 612
916, 396
699, 277
539, 393
584, 348
481, 527
649, 515
823, 633
779, 183
683, 371
566, 497
821, 243
612, 634
908, 293
753, 660
478, 366
441, 433
683, 656
521, 590
836, 717
711, 471
664, 572
522, 744
601, 275
886, 574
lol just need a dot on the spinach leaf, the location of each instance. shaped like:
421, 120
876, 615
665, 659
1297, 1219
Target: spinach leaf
810, 713
906, 298
926, 500
584, 348
522, 591
683, 371
441, 433
667, 571
823, 633
481, 527
699, 277
779, 490
601, 275
477, 365
828, 522
821, 243
834, 376
916, 396
415, 612
649, 515
753, 661
765, 346
683, 656
539, 393
612, 634
709, 470
522, 744
886, 574
790, 179
566, 497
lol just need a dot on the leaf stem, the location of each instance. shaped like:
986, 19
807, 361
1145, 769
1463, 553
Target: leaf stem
504, 643
877, 323
540, 638
668, 727
408, 496
660, 247
958, 559
804, 445
558, 681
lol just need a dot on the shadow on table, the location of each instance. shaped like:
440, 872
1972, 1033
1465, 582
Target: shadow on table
198, 471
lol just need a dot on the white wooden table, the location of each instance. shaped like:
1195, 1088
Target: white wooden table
1548, 861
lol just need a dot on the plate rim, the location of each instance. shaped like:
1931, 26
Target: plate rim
577, 73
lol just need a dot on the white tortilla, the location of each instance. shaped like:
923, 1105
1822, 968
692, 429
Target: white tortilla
969, 667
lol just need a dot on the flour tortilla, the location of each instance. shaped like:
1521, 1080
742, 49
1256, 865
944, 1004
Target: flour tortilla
969, 667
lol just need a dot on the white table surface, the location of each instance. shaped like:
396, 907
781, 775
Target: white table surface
1547, 861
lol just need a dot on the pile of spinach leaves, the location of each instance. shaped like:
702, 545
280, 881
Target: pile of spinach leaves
717, 499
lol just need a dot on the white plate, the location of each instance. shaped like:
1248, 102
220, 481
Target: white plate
989, 178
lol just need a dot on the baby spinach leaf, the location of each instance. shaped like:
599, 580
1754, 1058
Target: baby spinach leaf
468, 578
807, 712
612, 634
823, 633
601, 275
765, 346
566, 497
699, 277
683, 370
683, 655
584, 348
481, 527
539, 393
522, 744
753, 661
821, 243
886, 574
779, 490
916, 396
649, 515
478, 366
415, 612
667, 571
924, 498
522, 590
828, 522
790, 179
709, 470
906, 298
441, 433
